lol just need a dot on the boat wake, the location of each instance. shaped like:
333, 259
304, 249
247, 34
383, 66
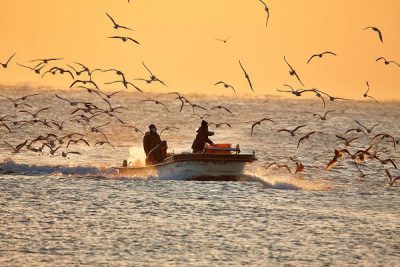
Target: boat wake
11, 167
282, 182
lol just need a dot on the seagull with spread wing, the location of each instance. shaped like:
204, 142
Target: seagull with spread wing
366, 93
266, 10
226, 85
387, 62
156, 102
5, 65
320, 55
259, 123
116, 25
375, 29
293, 72
246, 76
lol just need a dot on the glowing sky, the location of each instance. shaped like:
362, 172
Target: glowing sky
178, 42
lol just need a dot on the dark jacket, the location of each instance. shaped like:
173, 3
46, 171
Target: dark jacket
150, 141
157, 154
201, 139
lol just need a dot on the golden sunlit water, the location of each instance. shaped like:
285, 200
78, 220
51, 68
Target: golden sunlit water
77, 211
81, 80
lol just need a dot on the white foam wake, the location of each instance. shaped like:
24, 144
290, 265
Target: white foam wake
11, 167
286, 182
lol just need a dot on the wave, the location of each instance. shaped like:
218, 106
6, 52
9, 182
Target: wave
11, 167
286, 183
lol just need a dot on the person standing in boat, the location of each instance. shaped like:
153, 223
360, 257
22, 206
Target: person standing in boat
157, 154
151, 139
202, 138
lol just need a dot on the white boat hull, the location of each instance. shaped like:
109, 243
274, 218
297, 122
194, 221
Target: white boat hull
193, 167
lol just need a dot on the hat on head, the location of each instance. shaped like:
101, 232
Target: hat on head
204, 123
152, 126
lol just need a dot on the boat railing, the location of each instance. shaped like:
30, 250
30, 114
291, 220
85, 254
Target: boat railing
223, 149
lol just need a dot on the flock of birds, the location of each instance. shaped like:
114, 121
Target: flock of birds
57, 141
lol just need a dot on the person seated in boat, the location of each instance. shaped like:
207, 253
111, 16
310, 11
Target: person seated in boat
202, 137
157, 154
151, 139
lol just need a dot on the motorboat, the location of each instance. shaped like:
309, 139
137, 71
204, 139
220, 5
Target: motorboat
219, 162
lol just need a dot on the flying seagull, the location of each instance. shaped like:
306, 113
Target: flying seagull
320, 55
5, 65
376, 30
293, 72
246, 76
116, 25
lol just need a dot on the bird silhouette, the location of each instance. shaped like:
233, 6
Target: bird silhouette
34, 114
224, 40
54, 70
323, 117
84, 82
267, 11
218, 125
101, 143
387, 62
65, 154
124, 39
37, 69
79, 72
2, 124
16, 101
183, 100
126, 83
292, 132
117, 72
5, 65
152, 78
246, 76
293, 72
386, 161
320, 55
377, 31
203, 108
358, 130
259, 123
220, 107
392, 179
45, 61
116, 25
76, 141
279, 166
338, 155
384, 136
169, 128
366, 93
226, 85
332, 98
299, 165
16, 149
156, 102
137, 130
306, 137
297, 92
347, 141
369, 130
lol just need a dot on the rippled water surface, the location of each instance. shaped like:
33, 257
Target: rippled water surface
76, 211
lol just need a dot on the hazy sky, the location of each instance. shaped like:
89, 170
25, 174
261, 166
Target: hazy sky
178, 42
